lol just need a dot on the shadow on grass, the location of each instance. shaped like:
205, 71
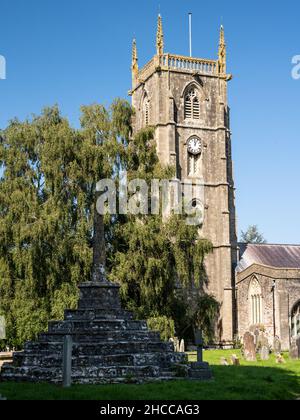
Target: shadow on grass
230, 383
256, 383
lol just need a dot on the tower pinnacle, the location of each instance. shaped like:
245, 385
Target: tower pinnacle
222, 52
134, 66
159, 37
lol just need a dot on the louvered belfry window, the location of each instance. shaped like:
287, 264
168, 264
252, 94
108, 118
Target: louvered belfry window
191, 105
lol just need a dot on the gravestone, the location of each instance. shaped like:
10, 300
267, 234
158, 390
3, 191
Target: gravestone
277, 345
295, 350
294, 354
199, 344
249, 347
298, 345
256, 335
182, 347
262, 341
264, 353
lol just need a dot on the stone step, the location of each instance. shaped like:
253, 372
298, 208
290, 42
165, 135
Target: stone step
99, 336
82, 375
96, 325
55, 360
91, 314
99, 348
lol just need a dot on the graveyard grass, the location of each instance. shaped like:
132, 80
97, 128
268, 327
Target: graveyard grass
261, 380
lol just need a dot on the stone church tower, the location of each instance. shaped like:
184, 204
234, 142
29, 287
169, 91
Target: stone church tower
185, 99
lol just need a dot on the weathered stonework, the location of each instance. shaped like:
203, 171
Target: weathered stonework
162, 84
109, 346
280, 293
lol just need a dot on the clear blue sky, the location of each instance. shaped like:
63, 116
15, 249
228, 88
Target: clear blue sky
74, 52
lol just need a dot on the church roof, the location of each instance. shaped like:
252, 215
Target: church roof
278, 256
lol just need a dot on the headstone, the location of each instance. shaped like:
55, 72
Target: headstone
182, 346
176, 344
224, 361
277, 345
235, 360
264, 353
249, 347
294, 350
171, 340
199, 343
256, 335
298, 345
262, 341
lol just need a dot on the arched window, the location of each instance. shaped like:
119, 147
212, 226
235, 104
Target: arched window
191, 105
255, 298
296, 320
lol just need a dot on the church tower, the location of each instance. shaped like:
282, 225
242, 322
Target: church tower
185, 99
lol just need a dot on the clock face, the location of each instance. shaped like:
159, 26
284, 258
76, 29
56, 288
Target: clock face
194, 146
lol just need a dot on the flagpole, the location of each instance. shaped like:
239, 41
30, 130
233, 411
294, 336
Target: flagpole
190, 32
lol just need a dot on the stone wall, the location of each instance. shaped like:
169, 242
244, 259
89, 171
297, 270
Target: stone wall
277, 305
165, 92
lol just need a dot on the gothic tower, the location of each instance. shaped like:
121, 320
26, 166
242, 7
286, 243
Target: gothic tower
185, 99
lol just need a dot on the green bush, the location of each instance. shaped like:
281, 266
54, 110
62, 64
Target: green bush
164, 325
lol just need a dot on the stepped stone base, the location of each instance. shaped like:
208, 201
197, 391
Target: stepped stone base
109, 346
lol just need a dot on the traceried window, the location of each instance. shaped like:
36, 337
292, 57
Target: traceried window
295, 327
191, 105
256, 303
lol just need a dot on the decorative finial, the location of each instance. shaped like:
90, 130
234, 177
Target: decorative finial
134, 66
159, 37
222, 52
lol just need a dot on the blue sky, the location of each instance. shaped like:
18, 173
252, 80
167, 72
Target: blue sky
75, 52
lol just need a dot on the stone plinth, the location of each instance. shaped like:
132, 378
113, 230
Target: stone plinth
109, 346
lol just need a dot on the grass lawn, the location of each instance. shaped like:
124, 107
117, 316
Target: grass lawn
250, 381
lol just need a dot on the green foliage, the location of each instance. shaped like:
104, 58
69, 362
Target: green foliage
164, 325
47, 195
252, 236
47, 198
198, 311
